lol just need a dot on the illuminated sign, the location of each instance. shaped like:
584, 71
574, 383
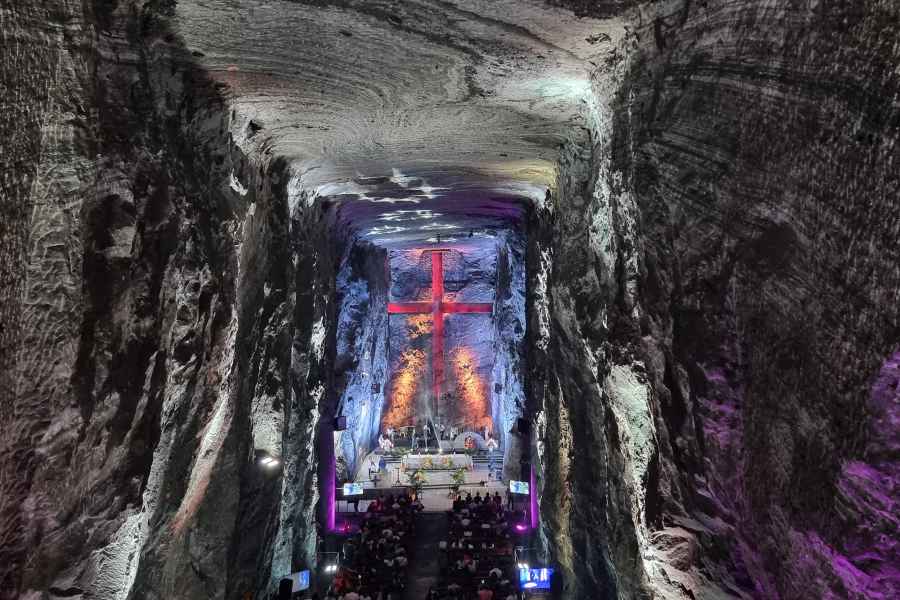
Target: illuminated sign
301, 581
535, 579
518, 487
353, 489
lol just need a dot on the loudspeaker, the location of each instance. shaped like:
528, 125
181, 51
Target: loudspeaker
340, 423
376, 388
285, 587
523, 426
498, 387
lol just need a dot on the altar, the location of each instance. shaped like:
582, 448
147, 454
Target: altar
437, 462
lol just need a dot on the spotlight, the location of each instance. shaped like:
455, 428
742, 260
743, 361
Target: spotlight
330, 568
269, 462
520, 527
522, 565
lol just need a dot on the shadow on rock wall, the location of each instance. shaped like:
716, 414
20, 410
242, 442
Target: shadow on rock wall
711, 295
150, 328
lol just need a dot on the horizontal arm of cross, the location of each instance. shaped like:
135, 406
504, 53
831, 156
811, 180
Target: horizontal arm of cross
407, 308
466, 307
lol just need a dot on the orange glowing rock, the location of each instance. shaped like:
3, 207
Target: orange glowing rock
403, 389
418, 326
475, 406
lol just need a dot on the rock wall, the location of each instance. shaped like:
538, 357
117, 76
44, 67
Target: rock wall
509, 350
165, 320
715, 295
361, 361
712, 311
470, 274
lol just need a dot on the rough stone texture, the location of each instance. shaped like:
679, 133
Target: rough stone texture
361, 359
712, 278
147, 338
509, 350
743, 271
763, 142
470, 275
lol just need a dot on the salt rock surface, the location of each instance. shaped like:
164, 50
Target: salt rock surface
710, 208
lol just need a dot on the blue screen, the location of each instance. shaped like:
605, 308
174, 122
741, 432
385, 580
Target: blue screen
535, 579
518, 487
301, 581
353, 489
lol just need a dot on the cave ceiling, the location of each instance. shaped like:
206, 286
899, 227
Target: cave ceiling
415, 118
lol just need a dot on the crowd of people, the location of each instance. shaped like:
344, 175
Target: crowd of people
374, 562
477, 556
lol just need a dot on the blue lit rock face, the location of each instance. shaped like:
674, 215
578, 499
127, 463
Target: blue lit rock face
469, 276
507, 389
480, 349
483, 352
360, 357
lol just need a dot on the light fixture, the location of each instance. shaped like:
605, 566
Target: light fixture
269, 462
330, 568
522, 565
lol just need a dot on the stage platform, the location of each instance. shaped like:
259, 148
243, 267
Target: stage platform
436, 493
437, 462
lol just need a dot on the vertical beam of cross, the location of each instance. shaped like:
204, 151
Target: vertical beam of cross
438, 308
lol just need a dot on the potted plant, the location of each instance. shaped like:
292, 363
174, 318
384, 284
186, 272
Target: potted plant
416, 481
458, 477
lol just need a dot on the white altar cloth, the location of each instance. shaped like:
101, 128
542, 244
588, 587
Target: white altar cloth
437, 461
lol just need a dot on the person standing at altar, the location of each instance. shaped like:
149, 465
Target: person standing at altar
492, 446
425, 435
414, 440
390, 432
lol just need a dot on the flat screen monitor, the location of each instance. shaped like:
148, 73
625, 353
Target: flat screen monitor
518, 487
535, 579
353, 489
301, 581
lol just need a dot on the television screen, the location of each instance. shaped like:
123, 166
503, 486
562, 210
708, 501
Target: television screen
535, 579
301, 581
353, 489
518, 487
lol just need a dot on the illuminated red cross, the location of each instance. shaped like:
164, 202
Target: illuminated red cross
438, 308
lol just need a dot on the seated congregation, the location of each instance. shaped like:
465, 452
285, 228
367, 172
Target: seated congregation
374, 562
477, 557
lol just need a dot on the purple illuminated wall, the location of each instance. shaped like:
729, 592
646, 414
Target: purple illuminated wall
326, 474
